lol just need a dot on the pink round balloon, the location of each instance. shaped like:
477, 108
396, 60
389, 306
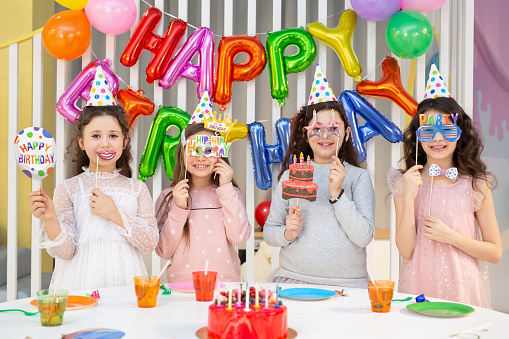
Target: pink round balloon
422, 6
111, 16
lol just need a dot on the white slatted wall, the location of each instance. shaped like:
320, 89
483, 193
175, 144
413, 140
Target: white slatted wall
456, 51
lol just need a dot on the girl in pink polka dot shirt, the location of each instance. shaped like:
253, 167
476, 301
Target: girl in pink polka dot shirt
201, 216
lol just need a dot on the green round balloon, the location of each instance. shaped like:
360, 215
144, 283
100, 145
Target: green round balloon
409, 34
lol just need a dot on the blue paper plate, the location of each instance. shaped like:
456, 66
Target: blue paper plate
100, 334
307, 293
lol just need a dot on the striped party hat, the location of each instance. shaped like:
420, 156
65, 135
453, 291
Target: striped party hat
436, 86
203, 110
320, 91
100, 94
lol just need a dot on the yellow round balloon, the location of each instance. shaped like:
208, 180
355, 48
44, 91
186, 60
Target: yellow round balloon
73, 4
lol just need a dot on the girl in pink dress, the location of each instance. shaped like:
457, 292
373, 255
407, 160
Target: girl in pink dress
446, 231
201, 215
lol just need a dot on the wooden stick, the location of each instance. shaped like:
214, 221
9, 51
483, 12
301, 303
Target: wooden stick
430, 195
416, 150
96, 170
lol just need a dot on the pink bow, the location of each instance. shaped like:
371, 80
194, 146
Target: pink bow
451, 173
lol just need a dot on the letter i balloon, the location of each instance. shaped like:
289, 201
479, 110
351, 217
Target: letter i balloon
34, 152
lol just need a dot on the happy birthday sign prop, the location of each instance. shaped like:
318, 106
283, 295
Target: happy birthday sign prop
34, 152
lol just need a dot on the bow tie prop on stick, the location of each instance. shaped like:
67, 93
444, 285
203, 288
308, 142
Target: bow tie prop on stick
435, 171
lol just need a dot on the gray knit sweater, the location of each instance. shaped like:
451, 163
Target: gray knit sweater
331, 247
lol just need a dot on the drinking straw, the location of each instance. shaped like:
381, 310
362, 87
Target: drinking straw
155, 281
206, 266
53, 304
384, 305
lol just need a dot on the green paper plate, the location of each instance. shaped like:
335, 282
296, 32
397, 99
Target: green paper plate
441, 309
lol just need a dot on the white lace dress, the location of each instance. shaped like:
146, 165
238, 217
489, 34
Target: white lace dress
92, 252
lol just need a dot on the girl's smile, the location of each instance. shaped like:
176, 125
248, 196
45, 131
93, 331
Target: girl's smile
106, 155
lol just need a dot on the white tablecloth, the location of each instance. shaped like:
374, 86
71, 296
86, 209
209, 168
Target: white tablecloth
179, 316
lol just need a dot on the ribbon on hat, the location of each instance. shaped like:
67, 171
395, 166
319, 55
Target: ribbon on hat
451, 173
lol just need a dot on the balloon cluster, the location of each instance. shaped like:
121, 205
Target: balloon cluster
66, 35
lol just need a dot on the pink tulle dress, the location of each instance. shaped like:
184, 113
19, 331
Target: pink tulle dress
440, 270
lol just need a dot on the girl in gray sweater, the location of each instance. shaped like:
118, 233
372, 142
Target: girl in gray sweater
323, 242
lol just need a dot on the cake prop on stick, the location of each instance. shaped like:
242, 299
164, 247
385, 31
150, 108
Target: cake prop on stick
300, 184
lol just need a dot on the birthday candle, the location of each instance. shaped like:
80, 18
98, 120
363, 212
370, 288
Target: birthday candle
239, 298
247, 297
301, 158
277, 296
267, 297
257, 297
230, 299
295, 159
309, 161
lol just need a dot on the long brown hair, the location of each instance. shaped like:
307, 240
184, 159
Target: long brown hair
467, 155
79, 156
180, 172
299, 138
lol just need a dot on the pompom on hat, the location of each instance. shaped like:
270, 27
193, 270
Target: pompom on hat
436, 86
320, 90
100, 93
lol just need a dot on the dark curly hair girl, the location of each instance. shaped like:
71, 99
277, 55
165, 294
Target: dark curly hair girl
467, 155
80, 158
299, 136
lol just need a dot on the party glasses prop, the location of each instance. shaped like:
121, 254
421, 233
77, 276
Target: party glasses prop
51, 306
426, 133
204, 285
380, 295
324, 132
147, 289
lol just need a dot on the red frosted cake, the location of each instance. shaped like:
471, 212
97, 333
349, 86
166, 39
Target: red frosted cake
300, 184
257, 323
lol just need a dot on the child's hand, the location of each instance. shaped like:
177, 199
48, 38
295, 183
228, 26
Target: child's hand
181, 193
225, 172
435, 229
102, 205
41, 205
336, 177
293, 223
413, 181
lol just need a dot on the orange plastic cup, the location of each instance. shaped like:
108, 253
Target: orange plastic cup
204, 285
147, 289
381, 295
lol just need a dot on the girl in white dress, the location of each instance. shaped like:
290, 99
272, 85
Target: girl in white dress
101, 218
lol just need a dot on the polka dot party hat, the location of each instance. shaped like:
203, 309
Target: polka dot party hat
203, 110
100, 94
320, 90
436, 86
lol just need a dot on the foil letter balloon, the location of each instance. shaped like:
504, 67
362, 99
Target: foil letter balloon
158, 142
376, 122
134, 104
263, 155
35, 152
280, 65
162, 47
201, 42
339, 39
227, 71
80, 88
390, 87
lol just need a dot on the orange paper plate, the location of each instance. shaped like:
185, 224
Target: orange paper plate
74, 302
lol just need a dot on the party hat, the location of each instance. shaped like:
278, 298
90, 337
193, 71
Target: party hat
203, 110
100, 94
321, 91
436, 86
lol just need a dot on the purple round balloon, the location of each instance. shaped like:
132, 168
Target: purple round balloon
376, 10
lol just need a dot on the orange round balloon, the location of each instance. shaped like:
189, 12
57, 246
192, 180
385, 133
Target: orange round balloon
66, 35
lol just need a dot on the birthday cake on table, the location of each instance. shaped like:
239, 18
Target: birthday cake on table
254, 321
300, 183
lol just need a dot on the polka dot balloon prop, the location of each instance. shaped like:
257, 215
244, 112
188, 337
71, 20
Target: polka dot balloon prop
34, 152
